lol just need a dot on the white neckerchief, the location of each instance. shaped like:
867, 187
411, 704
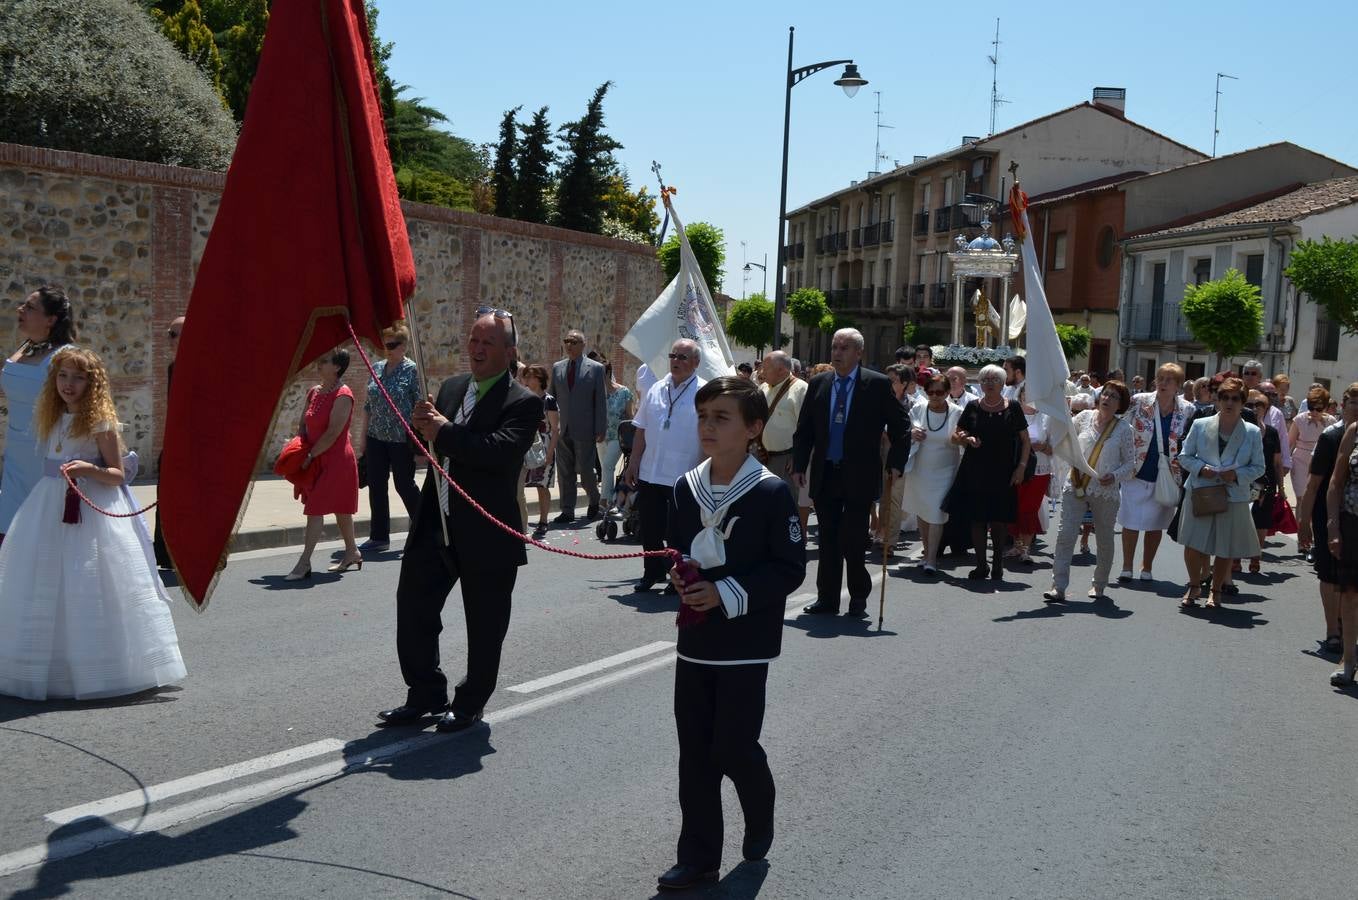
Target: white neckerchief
709, 545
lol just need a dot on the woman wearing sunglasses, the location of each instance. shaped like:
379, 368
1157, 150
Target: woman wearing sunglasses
933, 463
384, 444
1220, 450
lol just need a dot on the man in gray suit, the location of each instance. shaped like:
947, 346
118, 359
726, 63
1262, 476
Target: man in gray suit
578, 386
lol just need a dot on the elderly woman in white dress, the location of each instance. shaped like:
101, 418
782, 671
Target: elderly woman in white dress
1222, 449
1157, 420
932, 465
1107, 445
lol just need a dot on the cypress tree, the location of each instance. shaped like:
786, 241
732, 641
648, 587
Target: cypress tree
584, 176
534, 170
502, 177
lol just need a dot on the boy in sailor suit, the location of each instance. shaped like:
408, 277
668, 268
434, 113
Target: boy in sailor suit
738, 524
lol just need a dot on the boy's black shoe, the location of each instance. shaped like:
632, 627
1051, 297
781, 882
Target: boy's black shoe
682, 876
756, 846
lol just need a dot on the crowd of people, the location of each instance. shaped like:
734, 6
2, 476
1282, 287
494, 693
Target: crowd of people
877, 455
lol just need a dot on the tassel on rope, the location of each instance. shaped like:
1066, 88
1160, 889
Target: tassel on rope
71, 514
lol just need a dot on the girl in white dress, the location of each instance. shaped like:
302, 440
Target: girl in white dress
82, 610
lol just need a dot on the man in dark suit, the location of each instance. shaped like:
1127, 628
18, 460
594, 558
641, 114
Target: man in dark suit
480, 428
579, 388
837, 448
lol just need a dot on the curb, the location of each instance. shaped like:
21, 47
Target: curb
295, 535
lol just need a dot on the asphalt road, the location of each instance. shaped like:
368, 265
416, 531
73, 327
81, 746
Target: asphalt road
981, 745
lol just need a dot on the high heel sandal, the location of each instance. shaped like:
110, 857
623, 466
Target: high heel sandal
1213, 600
346, 565
295, 575
1190, 599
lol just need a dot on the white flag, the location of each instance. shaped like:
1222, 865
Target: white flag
1047, 371
684, 309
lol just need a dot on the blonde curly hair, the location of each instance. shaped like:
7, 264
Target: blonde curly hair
96, 405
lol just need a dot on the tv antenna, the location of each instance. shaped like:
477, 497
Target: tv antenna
877, 155
995, 98
1216, 109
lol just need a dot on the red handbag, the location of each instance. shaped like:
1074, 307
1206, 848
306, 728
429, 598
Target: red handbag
289, 466
1284, 522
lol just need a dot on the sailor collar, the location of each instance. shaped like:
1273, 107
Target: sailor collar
708, 549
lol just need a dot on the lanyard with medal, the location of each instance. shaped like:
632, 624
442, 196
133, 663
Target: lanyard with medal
670, 398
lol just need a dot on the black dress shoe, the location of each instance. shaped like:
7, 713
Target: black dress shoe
820, 608
857, 612
592, 512
645, 584
756, 846
564, 518
456, 721
682, 876
670, 589
408, 714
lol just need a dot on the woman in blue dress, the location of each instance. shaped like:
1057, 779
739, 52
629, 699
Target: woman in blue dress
46, 324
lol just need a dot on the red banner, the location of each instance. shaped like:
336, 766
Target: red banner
309, 234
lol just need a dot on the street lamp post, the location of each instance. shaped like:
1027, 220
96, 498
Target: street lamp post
850, 81
765, 269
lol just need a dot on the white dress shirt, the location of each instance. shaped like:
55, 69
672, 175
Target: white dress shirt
670, 451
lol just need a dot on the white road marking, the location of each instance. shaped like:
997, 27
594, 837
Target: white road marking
590, 668
191, 783
159, 820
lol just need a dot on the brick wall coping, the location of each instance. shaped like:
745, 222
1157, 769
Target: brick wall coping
87, 164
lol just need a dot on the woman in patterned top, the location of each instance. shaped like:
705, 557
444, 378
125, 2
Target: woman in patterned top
384, 442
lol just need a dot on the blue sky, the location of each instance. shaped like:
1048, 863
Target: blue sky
699, 86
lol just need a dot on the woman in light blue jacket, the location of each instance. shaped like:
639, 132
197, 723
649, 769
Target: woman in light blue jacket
1220, 449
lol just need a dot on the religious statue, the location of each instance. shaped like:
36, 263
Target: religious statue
981, 307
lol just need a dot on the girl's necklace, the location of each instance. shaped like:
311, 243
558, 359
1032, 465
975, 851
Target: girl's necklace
928, 419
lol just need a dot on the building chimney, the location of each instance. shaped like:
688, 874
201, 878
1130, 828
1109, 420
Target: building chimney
1112, 99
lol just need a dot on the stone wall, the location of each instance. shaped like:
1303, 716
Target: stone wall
124, 240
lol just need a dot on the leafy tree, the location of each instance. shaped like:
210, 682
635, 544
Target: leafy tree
750, 321
1225, 315
833, 320
709, 248
187, 31
588, 163
425, 185
1074, 340
807, 307
502, 178
633, 210
534, 181
240, 43
381, 53
100, 77
611, 227
1327, 272
915, 334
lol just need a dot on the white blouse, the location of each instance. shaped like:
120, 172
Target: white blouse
1118, 456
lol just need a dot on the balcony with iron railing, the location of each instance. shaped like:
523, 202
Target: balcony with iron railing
1157, 322
938, 297
883, 295
857, 238
915, 295
943, 219
888, 231
841, 242
922, 223
838, 298
872, 235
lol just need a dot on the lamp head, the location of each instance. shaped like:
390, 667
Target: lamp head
851, 81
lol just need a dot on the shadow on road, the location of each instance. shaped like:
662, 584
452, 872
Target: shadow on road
319, 578
1103, 607
1231, 618
652, 601
12, 708
839, 626
741, 883
242, 834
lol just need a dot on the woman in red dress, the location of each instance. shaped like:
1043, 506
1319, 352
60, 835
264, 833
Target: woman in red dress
324, 430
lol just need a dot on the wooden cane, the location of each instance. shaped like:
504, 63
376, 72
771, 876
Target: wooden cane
887, 541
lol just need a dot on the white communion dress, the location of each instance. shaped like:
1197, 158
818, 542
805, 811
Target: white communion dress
83, 613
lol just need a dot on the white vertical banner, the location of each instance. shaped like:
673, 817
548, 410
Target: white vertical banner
684, 309
1047, 370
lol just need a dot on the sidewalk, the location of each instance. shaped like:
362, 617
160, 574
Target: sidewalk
274, 519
